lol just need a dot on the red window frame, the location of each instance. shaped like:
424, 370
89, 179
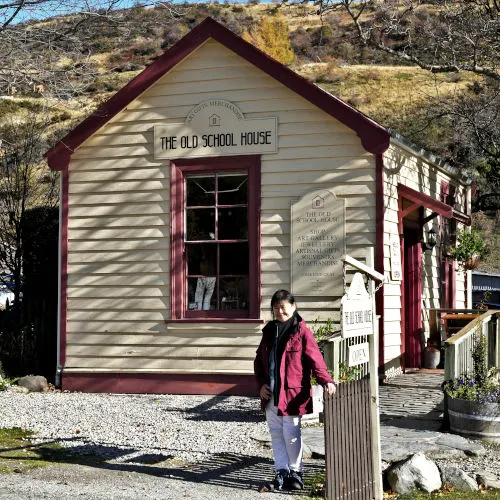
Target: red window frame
178, 266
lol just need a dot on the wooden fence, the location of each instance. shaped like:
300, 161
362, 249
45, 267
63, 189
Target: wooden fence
458, 348
348, 442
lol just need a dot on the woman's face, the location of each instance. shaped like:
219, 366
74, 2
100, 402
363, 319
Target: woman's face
283, 310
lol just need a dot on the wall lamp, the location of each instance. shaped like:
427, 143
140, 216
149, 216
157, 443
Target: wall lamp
430, 242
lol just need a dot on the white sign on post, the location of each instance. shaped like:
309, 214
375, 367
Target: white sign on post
357, 309
358, 354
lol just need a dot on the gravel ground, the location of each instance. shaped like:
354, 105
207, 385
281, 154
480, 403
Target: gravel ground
120, 426
142, 446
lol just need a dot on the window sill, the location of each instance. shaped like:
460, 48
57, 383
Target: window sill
215, 320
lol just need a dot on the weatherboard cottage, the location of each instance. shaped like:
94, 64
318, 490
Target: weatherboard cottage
214, 177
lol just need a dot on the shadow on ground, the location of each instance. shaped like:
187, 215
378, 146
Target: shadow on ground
220, 469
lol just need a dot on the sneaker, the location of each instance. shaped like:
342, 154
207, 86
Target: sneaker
279, 479
294, 480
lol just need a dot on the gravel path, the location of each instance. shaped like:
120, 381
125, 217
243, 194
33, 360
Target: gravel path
142, 446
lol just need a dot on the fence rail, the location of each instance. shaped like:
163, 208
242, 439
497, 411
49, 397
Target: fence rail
458, 348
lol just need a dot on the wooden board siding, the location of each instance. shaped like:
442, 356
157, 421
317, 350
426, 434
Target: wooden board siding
402, 167
119, 230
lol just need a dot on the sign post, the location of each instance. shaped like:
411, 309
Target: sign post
358, 318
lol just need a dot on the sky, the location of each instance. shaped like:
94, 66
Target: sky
53, 8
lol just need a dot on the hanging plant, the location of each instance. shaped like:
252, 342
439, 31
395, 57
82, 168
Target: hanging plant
469, 249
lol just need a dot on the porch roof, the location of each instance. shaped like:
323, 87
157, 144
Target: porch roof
437, 207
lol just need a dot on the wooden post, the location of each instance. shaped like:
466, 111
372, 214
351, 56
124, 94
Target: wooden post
374, 403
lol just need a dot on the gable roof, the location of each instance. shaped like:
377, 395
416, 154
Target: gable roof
374, 137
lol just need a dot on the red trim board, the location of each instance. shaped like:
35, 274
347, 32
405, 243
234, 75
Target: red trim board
136, 383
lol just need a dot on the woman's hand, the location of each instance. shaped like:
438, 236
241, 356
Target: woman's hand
265, 393
331, 388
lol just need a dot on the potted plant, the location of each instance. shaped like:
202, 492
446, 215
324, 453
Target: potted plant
473, 401
469, 249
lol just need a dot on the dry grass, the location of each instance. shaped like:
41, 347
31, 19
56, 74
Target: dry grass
379, 91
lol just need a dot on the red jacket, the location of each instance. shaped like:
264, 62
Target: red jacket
301, 359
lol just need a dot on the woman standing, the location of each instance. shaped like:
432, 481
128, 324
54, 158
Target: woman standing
287, 357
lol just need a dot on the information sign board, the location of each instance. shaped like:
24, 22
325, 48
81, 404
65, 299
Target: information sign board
317, 244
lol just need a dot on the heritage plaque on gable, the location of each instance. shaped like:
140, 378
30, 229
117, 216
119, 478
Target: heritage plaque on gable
215, 127
317, 243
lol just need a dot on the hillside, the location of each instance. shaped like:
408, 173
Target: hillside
326, 52
109, 53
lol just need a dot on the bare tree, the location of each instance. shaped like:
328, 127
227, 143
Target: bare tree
42, 48
440, 36
25, 183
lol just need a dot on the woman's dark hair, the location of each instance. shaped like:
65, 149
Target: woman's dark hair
280, 295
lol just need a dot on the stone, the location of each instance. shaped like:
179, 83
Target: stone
469, 447
315, 439
457, 479
18, 389
34, 383
416, 473
306, 452
488, 480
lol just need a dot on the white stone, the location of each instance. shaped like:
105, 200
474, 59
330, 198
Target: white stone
417, 473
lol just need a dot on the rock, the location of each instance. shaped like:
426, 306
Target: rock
418, 472
457, 479
34, 383
306, 452
18, 389
488, 480
469, 447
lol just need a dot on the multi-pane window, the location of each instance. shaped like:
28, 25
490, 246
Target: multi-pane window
216, 241
215, 247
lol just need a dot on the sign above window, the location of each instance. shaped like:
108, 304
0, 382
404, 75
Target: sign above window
215, 128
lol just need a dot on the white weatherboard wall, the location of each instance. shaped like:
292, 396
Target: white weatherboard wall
402, 167
119, 220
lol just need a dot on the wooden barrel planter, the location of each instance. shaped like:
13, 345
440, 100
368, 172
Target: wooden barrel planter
472, 419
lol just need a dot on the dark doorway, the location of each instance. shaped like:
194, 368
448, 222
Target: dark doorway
412, 355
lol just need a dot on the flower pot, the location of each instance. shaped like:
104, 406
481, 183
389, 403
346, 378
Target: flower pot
473, 419
472, 262
432, 356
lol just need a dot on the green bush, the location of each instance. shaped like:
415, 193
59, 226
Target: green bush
469, 243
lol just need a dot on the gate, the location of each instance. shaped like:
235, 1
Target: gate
351, 419
348, 442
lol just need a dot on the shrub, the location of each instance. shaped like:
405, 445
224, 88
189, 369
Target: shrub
481, 386
469, 243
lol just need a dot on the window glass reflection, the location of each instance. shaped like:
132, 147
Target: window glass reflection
200, 191
201, 259
200, 224
233, 258
233, 293
232, 189
233, 223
